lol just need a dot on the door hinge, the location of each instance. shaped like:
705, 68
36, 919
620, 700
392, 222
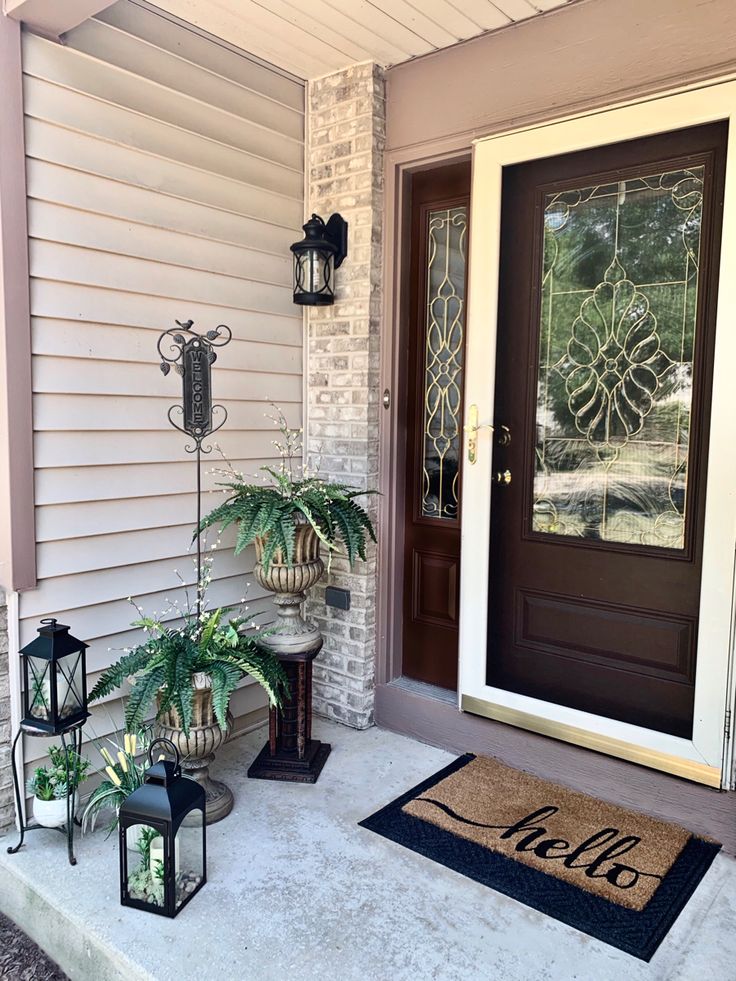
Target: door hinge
727, 724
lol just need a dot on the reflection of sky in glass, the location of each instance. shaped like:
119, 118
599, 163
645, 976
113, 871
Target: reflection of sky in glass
618, 317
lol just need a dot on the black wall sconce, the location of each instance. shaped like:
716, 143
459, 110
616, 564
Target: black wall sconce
316, 258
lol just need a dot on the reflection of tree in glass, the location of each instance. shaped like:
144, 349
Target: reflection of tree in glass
615, 382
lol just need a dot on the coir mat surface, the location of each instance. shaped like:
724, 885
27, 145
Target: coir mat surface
615, 874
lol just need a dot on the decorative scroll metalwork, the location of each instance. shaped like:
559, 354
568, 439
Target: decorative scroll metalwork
192, 356
618, 320
443, 367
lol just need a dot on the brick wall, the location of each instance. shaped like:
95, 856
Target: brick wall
345, 172
6, 783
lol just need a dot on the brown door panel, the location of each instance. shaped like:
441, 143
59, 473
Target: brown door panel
434, 345
608, 290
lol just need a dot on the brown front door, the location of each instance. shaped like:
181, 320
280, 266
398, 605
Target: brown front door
434, 345
605, 356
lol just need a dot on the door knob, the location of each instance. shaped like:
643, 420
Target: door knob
503, 478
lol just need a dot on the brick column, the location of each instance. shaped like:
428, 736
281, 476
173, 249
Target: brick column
7, 807
346, 113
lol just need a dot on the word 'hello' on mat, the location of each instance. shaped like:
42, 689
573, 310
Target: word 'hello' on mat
620, 876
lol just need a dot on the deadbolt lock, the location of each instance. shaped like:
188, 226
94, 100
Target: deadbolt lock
503, 478
503, 436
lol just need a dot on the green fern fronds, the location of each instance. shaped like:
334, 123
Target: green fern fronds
163, 669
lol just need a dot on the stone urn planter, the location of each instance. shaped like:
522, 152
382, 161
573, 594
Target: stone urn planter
197, 750
291, 753
290, 583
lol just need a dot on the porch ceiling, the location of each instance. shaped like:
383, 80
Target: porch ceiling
322, 36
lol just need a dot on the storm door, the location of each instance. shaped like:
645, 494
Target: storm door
607, 299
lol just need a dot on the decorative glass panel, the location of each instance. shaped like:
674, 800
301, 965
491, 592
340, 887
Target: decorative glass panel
443, 364
614, 395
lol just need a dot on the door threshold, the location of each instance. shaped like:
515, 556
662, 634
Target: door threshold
424, 689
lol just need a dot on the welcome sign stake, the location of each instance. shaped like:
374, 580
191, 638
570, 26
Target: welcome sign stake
192, 356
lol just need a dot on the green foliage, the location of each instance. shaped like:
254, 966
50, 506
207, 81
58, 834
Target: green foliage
124, 775
272, 512
166, 664
50, 782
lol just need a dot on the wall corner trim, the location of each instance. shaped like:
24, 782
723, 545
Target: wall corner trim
17, 525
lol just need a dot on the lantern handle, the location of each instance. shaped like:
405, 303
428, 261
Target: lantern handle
170, 746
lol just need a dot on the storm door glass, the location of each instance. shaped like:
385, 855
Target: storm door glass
615, 374
443, 362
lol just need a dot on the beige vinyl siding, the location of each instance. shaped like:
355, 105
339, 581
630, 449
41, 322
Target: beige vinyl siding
165, 181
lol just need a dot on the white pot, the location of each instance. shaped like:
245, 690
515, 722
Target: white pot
52, 813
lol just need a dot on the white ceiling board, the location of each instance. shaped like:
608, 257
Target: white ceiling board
316, 38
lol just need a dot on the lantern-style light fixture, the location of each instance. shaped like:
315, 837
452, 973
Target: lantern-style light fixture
55, 680
316, 258
162, 830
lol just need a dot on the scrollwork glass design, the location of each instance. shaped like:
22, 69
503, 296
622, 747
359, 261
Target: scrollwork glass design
443, 362
615, 379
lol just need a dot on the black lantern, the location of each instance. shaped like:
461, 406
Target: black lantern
163, 848
316, 258
55, 676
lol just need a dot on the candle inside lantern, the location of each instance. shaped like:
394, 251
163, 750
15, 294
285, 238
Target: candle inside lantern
157, 854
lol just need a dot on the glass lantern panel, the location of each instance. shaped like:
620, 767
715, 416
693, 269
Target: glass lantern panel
69, 685
189, 856
39, 689
314, 271
144, 865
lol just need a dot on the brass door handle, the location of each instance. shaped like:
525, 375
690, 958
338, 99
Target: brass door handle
503, 478
471, 429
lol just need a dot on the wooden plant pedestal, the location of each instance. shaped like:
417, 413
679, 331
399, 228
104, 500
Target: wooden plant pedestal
290, 753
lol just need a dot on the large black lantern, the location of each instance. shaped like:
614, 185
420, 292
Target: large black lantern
55, 677
316, 258
163, 848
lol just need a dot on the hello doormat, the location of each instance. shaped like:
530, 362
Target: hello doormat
617, 875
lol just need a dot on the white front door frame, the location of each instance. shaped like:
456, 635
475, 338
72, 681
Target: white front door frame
702, 758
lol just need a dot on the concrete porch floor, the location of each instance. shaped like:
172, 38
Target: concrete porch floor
296, 889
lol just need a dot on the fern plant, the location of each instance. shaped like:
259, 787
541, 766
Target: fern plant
165, 666
292, 497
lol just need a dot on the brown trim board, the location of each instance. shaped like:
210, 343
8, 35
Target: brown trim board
17, 522
701, 809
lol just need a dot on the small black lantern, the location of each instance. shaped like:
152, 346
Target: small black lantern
316, 258
55, 677
163, 847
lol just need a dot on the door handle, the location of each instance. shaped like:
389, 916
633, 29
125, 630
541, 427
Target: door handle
471, 429
503, 478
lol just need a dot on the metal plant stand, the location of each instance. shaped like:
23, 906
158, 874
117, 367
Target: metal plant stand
290, 753
75, 735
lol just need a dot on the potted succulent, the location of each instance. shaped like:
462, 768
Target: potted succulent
187, 669
288, 518
49, 787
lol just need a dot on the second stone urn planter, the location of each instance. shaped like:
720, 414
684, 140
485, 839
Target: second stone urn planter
291, 753
197, 750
